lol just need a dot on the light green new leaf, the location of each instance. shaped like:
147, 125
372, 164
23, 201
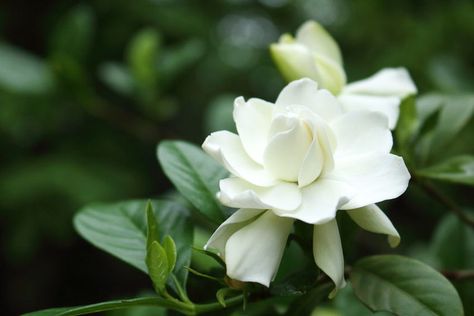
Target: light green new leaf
21, 72
158, 267
142, 58
194, 174
152, 227
121, 230
170, 248
404, 286
457, 169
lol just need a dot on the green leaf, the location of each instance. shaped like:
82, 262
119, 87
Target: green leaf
21, 72
296, 284
152, 227
114, 305
305, 304
158, 267
194, 174
404, 286
120, 229
453, 243
117, 77
221, 295
74, 33
441, 117
457, 170
170, 248
407, 125
142, 58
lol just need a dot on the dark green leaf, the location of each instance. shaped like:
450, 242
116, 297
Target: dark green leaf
404, 286
457, 169
453, 244
74, 32
296, 284
170, 248
112, 305
120, 229
158, 267
305, 304
194, 174
21, 72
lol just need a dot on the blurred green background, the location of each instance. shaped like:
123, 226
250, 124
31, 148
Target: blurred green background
88, 88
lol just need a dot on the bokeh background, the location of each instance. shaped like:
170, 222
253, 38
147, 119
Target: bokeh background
88, 89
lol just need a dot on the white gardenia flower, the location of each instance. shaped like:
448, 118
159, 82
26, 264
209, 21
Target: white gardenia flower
302, 158
313, 53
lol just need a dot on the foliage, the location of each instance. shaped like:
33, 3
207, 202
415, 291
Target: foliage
87, 90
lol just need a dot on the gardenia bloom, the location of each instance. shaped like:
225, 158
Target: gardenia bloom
302, 158
315, 54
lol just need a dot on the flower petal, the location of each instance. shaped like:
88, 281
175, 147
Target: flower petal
235, 222
386, 82
333, 76
361, 132
320, 201
387, 105
236, 192
373, 219
253, 119
294, 61
318, 40
327, 251
289, 140
305, 92
226, 148
374, 178
254, 252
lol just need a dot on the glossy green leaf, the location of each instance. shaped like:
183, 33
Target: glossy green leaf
195, 175
113, 305
21, 72
404, 286
120, 229
457, 170
158, 267
170, 249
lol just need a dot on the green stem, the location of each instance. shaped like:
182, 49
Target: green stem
203, 308
181, 292
432, 191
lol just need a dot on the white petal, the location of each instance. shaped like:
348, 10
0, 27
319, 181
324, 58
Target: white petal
313, 163
254, 252
236, 192
320, 201
294, 61
327, 251
235, 222
373, 219
361, 132
287, 147
316, 38
387, 105
333, 76
253, 119
386, 82
305, 92
227, 149
374, 178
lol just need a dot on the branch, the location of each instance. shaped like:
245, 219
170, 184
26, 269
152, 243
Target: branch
456, 275
436, 194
